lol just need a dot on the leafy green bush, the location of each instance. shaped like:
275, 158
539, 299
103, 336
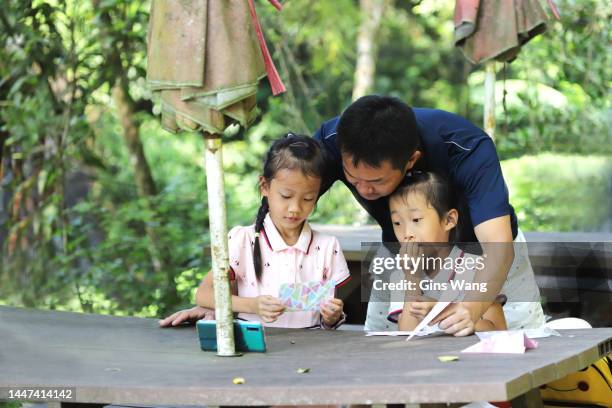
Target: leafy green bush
561, 192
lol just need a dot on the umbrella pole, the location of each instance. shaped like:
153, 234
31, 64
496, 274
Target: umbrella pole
489, 101
218, 235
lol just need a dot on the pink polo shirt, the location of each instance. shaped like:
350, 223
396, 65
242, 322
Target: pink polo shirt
315, 256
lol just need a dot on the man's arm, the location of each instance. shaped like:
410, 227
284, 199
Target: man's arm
477, 171
495, 237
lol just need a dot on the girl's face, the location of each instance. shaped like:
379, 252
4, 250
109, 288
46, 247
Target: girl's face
291, 197
415, 220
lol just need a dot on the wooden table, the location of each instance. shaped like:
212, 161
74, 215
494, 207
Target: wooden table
127, 360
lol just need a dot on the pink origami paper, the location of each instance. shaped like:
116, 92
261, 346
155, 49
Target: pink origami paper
506, 342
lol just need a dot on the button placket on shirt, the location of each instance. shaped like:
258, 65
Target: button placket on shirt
291, 263
298, 259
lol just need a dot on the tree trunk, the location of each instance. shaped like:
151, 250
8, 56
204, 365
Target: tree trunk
142, 172
146, 186
365, 69
145, 183
371, 15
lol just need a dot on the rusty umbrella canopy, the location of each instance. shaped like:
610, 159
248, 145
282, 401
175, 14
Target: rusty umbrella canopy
205, 60
489, 30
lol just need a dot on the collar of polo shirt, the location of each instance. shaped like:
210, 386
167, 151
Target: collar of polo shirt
276, 242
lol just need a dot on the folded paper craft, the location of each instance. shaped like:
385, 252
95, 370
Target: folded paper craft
426, 331
308, 296
511, 342
433, 313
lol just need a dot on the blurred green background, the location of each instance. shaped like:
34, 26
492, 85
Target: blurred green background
78, 233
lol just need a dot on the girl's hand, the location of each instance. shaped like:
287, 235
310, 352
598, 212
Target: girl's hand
420, 306
331, 311
456, 320
409, 250
187, 316
268, 308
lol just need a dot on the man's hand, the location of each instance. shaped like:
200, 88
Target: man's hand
268, 308
187, 316
331, 311
495, 238
420, 306
457, 319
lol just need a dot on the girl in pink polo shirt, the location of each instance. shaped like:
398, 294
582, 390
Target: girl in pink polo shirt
281, 247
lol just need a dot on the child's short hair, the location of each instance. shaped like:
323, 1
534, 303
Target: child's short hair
292, 152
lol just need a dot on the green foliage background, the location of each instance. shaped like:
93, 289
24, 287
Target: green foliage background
73, 226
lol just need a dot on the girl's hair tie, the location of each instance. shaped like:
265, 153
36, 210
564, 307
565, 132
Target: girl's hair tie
257, 235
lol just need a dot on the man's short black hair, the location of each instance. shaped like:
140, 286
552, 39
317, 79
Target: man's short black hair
377, 128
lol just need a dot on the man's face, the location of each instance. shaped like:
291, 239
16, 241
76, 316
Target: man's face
373, 183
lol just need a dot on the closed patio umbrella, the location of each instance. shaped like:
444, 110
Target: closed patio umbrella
205, 59
495, 30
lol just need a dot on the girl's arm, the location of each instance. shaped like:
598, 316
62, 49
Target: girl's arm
205, 297
492, 319
267, 307
407, 321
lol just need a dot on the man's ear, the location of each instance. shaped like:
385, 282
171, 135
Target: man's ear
412, 161
264, 186
451, 219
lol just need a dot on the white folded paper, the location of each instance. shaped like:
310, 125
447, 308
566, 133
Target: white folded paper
425, 332
433, 313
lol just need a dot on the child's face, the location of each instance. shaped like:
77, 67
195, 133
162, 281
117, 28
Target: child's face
415, 220
291, 197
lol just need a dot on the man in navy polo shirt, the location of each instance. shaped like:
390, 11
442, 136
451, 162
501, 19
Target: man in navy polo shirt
378, 139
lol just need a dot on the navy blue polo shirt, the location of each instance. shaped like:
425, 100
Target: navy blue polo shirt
452, 146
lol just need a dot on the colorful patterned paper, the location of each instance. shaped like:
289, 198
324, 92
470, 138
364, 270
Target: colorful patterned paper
306, 295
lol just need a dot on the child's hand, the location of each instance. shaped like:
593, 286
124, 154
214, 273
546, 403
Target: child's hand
456, 320
268, 308
189, 316
331, 311
409, 250
420, 306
